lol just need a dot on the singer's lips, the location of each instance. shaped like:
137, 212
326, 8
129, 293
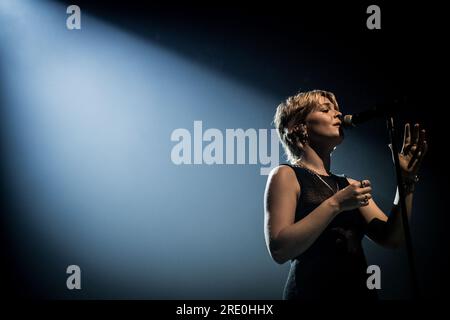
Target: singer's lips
337, 124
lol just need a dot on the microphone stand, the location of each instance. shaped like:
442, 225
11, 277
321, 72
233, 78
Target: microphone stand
404, 216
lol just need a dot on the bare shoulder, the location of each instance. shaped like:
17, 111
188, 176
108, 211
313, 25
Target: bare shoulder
282, 172
283, 176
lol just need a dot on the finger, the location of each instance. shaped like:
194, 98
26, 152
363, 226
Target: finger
410, 149
417, 150
413, 151
365, 190
424, 148
365, 183
363, 197
425, 144
421, 137
422, 155
414, 160
407, 136
406, 149
364, 200
420, 146
415, 135
355, 184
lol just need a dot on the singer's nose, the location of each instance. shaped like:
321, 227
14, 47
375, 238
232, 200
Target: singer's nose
339, 115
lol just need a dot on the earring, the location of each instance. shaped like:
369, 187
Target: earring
304, 134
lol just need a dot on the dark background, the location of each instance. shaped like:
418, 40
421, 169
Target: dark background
282, 47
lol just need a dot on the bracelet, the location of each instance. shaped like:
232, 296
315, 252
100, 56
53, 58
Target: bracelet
411, 180
409, 183
409, 188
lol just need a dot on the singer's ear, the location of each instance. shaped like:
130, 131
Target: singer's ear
295, 129
297, 133
303, 130
292, 133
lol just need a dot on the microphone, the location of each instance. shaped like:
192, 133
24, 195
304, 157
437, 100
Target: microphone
352, 120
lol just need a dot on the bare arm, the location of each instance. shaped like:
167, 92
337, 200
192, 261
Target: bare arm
389, 232
287, 239
394, 226
385, 231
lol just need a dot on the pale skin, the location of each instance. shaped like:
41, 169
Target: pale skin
286, 239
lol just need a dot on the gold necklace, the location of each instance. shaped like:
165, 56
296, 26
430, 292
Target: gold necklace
318, 176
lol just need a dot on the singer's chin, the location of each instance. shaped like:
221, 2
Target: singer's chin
337, 140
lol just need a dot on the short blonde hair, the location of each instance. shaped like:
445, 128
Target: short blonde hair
294, 111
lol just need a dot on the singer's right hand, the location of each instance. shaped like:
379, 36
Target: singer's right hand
353, 196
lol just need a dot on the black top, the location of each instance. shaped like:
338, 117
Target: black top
334, 266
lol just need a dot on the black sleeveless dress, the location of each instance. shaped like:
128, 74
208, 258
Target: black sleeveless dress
334, 266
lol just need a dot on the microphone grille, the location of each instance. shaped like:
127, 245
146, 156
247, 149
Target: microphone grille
347, 121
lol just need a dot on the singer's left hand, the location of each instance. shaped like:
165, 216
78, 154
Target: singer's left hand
413, 151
